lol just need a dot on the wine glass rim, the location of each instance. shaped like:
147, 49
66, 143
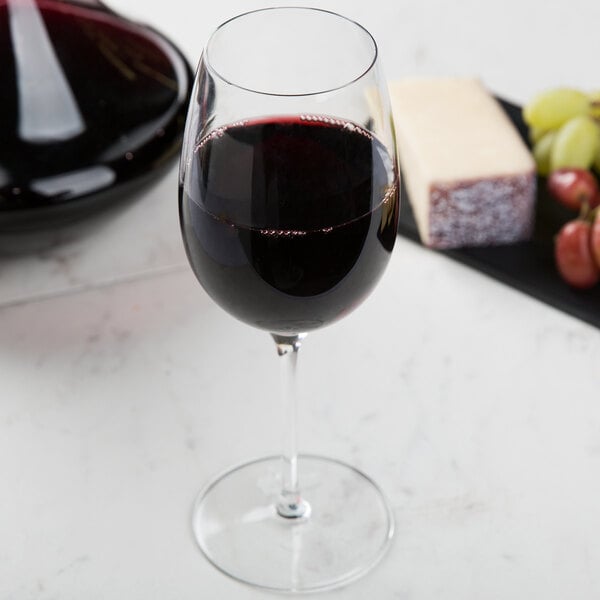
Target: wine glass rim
215, 72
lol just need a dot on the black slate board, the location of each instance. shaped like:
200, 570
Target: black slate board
528, 266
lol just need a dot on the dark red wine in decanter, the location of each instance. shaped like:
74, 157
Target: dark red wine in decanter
92, 106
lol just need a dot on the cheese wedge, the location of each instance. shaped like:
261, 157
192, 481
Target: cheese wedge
470, 178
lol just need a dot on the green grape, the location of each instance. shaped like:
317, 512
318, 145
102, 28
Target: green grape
541, 152
595, 105
575, 145
536, 134
553, 108
595, 113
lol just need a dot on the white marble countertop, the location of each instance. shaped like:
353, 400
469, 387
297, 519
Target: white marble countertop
476, 408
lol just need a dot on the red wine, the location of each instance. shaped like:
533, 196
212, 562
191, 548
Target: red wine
289, 222
89, 104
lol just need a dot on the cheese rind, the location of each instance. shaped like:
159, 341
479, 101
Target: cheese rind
470, 178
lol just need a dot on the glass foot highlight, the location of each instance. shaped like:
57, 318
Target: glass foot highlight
346, 532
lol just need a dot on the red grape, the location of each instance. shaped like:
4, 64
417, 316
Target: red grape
574, 187
595, 239
573, 255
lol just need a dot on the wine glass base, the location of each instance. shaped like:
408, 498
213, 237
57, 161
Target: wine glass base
237, 526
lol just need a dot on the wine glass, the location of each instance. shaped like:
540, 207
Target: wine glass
289, 206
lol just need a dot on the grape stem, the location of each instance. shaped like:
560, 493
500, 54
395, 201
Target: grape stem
585, 208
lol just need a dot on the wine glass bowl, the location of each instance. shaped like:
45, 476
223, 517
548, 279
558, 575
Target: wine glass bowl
289, 206
289, 220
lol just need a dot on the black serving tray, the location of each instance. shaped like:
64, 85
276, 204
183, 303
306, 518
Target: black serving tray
529, 266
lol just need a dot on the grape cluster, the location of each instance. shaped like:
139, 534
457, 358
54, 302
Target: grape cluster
564, 129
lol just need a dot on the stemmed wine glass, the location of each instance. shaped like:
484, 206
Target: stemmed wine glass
289, 207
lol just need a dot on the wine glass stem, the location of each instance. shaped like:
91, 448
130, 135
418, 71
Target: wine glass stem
291, 505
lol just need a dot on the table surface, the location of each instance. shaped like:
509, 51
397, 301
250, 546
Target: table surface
476, 408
